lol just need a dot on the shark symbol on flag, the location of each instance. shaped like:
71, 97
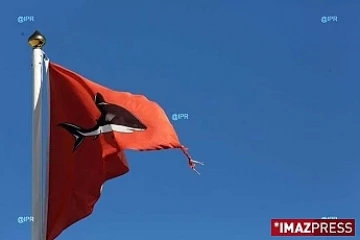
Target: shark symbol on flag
113, 118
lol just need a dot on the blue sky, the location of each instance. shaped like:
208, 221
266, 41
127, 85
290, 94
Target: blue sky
271, 92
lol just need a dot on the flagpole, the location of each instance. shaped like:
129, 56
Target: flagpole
37, 41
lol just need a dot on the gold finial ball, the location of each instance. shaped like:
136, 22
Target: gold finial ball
37, 40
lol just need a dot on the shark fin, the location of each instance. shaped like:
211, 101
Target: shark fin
99, 99
75, 131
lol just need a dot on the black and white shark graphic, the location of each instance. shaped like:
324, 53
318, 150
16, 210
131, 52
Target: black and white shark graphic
113, 118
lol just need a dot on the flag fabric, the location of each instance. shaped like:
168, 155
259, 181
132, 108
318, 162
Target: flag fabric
90, 127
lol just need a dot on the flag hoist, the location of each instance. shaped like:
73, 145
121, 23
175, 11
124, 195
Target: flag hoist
37, 41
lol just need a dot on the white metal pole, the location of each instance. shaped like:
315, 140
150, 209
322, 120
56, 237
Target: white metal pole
37, 41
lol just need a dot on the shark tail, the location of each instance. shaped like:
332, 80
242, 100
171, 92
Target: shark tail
75, 131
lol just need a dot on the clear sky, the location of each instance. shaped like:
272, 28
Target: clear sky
271, 92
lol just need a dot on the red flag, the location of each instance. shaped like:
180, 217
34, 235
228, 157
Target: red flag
90, 127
